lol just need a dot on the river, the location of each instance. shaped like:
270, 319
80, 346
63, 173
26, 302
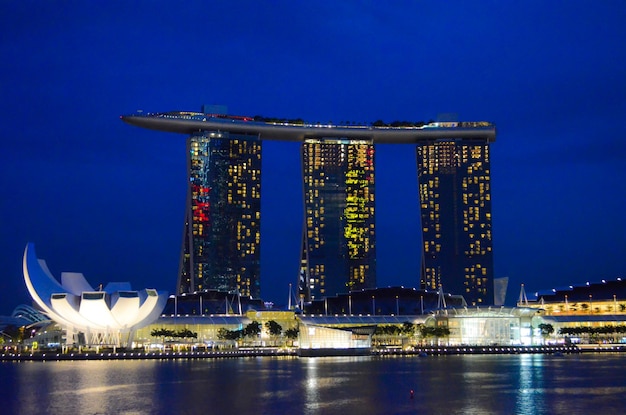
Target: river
463, 384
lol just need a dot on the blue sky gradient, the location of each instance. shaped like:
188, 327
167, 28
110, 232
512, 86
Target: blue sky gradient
100, 197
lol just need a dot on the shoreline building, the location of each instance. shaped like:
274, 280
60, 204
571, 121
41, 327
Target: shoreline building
595, 297
221, 238
108, 316
593, 312
338, 241
454, 179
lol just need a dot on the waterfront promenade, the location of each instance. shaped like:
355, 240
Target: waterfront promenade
293, 352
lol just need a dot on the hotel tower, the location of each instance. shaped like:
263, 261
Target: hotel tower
339, 239
222, 227
221, 238
455, 201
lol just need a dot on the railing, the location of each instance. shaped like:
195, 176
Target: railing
251, 352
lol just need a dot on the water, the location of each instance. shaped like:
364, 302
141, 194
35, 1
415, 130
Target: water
471, 384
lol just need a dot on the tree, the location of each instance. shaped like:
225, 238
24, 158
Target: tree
162, 333
546, 329
292, 334
442, 331
222, 333
594, 333
252, 330
437, 332
426, 332
387, 329
273, 328
225, 334
186, 333
408, 328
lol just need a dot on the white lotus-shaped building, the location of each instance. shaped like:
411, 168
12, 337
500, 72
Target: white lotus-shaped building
74, 304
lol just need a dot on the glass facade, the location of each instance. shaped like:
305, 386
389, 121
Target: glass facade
221, 240
338, 244
319, 337
502, 326
455, 205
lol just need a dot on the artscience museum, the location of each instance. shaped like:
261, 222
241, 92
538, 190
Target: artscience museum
90, 317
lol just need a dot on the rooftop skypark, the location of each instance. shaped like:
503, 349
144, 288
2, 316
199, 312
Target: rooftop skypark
397, 132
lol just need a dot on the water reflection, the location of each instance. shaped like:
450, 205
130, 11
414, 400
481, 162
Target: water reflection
311, 385
530, 396
85, 387
513, 384
328, 383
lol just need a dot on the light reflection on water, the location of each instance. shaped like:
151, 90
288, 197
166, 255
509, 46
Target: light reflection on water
530, 389
508, 384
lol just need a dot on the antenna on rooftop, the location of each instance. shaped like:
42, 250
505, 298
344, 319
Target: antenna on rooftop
229, 303
522, 297
447, 117
441, 300
215, 109
239, 302
293, 299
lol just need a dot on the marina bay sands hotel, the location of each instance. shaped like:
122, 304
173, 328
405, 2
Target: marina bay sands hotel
221, 246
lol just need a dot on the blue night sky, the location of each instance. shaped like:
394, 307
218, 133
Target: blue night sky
107, 199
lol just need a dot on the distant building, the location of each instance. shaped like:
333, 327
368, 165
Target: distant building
593, 312
454, 177
221, 241
485, 326
606, 297
317, 340
339, 235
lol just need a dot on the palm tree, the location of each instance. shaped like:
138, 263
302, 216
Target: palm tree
546, 330
252, 330
292, 334
273, 328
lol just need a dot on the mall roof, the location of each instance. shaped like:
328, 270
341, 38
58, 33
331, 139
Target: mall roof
215, 319
600, 290
359, 319
486, 311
